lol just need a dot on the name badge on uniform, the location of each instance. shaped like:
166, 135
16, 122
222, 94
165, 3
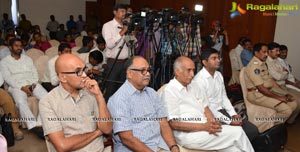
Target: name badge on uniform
257, 71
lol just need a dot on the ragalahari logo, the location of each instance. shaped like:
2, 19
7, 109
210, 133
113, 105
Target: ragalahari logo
236, 10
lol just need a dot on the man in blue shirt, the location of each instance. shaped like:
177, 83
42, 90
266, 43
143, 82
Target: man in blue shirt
247, 53
140, 118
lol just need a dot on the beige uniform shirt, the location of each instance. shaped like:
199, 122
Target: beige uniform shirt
59, 112
257, 74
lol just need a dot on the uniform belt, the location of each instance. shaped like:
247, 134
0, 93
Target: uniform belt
118, 60
251, 89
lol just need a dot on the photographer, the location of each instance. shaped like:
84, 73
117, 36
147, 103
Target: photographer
114, 33
217, 38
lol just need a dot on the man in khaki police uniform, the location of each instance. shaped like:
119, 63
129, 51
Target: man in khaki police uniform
280, 75
262, 90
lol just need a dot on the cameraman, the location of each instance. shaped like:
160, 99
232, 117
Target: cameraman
217, 38
114, 33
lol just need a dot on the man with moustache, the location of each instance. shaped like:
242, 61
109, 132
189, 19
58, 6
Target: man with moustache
114, 33
280, 75
69, 112
143, 125
262, 90
21, 75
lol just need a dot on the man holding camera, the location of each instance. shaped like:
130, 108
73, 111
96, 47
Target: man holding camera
21, 75
218, 38
116, 51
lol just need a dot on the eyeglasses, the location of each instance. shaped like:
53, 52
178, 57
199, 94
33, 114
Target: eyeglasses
78, 71
143, 71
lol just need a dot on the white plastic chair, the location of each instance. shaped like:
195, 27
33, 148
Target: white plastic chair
51, 52
34, 53
54, 42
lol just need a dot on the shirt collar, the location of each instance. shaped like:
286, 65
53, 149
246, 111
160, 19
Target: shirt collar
179, 86
116, 23
258, 61
206, 74
65, 94
131, 89
271, 59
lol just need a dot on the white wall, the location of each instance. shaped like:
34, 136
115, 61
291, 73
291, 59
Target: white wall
39, 11
288, 32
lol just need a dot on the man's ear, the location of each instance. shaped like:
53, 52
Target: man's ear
129, 74
62, 78
176, 71
204, 62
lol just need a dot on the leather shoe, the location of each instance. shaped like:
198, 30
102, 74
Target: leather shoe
38, 131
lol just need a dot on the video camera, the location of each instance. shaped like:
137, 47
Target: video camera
135, 20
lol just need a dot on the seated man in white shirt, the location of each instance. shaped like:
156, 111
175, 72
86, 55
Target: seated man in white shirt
192, 122
21, 75
210, 82
50, 79
291, 81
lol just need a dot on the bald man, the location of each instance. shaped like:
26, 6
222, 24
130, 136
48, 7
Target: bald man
143, 125
191, 119
74, 114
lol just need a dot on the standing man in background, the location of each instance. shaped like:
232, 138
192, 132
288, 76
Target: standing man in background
52, 27
114, 33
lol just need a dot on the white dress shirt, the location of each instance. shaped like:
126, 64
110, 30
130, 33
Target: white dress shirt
50, 75
114, 40
19, 73
212, 88
285, 64
276, 70
183, 105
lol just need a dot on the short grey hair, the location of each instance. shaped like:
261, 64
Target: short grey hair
177, 64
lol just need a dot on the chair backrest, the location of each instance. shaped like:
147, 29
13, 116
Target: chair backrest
41, 64
234, 74
54, 42
75, 49
78, 41
51, 52
34, 53
254, 111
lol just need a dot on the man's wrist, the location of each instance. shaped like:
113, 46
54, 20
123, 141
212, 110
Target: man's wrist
173, 146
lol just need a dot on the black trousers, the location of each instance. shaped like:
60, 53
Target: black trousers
249, 128
48, 86
116, 78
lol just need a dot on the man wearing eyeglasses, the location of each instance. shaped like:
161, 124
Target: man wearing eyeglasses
74, 114
143, 125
